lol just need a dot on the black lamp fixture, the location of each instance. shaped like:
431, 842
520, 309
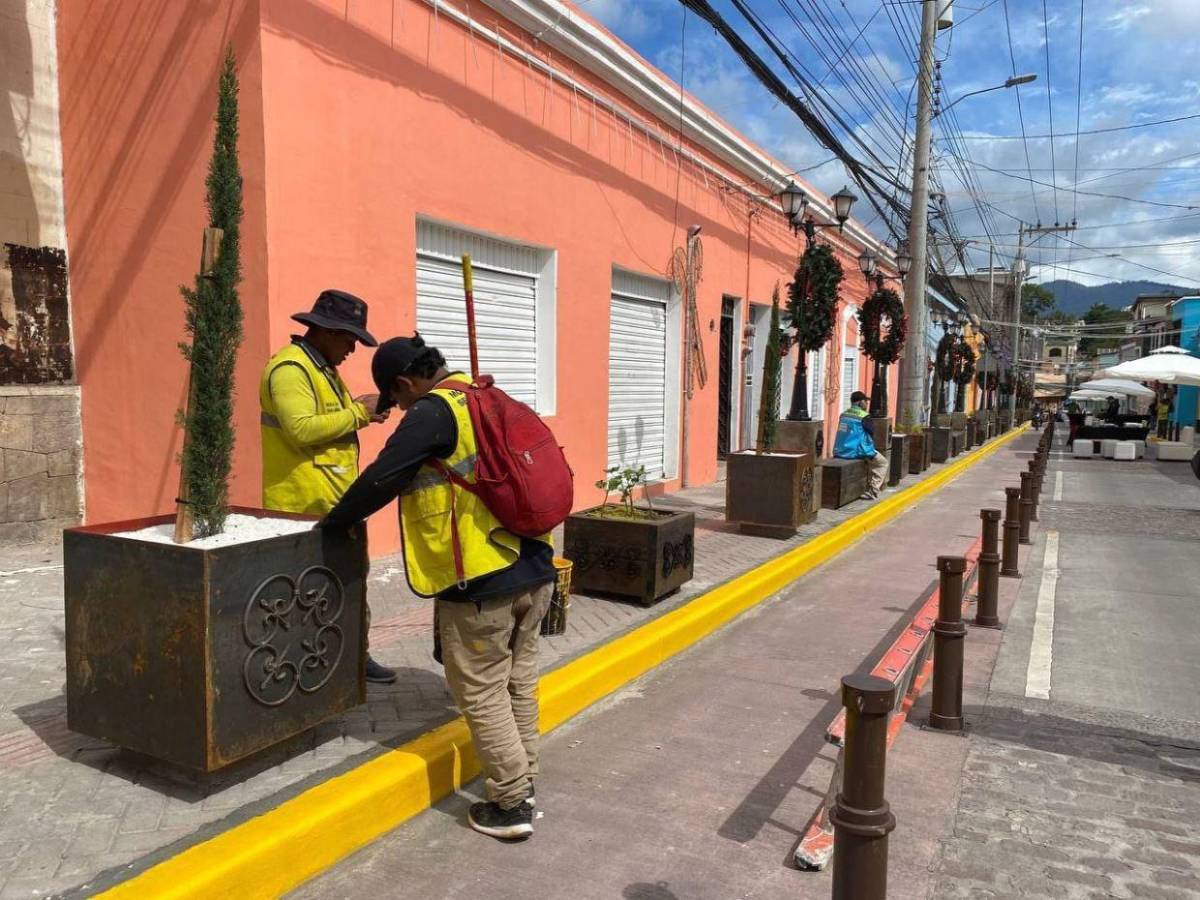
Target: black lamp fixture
794, 202
868, 264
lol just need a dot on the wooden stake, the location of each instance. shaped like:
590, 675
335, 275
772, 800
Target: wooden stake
184, 526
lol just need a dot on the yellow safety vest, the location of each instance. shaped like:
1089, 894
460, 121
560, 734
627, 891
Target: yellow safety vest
305, 479
431, 507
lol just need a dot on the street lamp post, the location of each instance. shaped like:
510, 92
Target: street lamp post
868, 264
794, 202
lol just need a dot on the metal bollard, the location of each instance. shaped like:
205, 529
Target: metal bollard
861, 816
989, 571
1026, 506
948, 634
1035, 491
1012, 533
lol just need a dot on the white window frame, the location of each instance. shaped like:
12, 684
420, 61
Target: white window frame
444, 240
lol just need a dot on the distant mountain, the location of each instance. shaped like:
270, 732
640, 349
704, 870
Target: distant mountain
1075, 298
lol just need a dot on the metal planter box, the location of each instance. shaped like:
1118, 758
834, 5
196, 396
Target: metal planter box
920, 449
770, 494
939, 439
201, 657
643, 559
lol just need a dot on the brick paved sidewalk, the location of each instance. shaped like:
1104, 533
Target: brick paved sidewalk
76, 812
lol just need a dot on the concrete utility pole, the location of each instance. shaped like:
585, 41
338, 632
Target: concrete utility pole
916, 356
1018, 282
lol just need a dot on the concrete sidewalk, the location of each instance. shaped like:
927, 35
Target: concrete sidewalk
78, 813
1080, 776
698, 780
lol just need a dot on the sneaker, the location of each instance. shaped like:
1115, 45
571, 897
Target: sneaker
377, 674
506, 824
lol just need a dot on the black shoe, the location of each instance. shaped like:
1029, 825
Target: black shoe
506, 824
377, 674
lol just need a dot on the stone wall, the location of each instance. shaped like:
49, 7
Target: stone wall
40, 453
40, 462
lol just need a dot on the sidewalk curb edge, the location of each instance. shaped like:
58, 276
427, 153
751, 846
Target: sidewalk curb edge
277, 851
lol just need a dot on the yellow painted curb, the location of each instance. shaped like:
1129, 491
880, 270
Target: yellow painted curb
284, 847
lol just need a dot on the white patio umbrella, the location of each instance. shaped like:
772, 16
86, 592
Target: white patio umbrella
1169, 365
1092, 395
1117, 386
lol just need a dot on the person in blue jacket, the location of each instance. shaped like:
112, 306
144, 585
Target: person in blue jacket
855, 441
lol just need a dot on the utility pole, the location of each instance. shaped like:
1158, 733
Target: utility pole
1018, 283
916, 357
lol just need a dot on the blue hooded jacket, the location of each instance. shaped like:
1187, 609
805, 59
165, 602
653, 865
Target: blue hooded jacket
853, 441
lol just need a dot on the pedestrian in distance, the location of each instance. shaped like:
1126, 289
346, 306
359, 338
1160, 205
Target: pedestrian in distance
492, 588
310, 421
1163, 409
855, 440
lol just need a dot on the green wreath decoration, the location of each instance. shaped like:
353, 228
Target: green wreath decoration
813, 298
966, 361
884, 302
945, 362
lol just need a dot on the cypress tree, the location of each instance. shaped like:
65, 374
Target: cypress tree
768, 409
214, 325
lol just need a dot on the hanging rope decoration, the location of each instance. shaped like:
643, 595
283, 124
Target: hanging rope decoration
813, 298
945, 360
966, 361
884, 303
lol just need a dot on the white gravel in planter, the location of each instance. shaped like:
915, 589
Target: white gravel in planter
239, 529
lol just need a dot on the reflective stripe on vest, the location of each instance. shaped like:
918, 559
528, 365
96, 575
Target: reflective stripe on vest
432, 506
304, 479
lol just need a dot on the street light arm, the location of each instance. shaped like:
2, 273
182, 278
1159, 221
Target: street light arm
1011, 82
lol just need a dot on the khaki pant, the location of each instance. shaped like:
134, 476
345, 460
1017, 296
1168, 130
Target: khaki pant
490, 655
879, 471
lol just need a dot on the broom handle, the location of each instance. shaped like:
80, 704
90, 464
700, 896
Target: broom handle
468, 285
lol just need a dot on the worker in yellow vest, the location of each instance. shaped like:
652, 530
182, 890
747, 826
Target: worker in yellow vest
493, 588
310, 420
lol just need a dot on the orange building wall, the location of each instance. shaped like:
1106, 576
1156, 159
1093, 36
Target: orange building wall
357, 118
138, 92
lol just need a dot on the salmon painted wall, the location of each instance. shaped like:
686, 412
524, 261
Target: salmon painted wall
355, 120
138, 93
378, 113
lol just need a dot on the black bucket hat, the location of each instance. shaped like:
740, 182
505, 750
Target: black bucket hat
339, 311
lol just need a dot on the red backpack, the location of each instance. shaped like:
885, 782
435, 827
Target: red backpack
521, 474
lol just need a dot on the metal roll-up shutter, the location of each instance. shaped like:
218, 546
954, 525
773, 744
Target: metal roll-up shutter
637, 373
505, 306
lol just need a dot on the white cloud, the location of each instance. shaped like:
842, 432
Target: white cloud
630, 18
1121, 20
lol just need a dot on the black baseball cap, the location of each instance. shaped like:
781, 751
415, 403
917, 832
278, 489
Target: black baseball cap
858, 396
339, 311
391, 360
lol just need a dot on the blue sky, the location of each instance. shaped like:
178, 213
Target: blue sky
1140, 63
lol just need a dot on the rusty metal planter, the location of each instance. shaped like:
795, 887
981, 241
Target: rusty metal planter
919, 450
770, 494
643, 559
201, 657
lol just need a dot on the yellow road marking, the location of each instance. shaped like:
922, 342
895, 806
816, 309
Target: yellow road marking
281, 849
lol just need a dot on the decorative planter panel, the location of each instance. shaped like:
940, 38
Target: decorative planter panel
898, 461
842, 481
644, 559
939, 439
201, 657
770, 494
800, 437
918, 453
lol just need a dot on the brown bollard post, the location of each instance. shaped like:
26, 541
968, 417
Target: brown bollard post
948, 635
861, 816
1026, 515
1035, 491
1012, 533
989, 571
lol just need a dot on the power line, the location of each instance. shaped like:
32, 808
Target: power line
1093, 193
1050, 106
1020, 114
1078, 105
1115, 128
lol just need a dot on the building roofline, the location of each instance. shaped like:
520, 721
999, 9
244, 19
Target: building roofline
566, 28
